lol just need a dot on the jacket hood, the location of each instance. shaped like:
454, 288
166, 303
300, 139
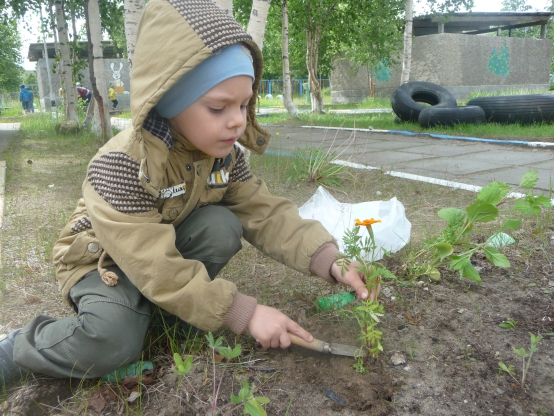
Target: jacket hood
174, 36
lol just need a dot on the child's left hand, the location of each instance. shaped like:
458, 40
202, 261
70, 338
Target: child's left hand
355, 279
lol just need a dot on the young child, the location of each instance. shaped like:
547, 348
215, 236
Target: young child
165, 204
112, 96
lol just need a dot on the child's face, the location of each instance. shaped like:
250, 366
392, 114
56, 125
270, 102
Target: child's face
215, 121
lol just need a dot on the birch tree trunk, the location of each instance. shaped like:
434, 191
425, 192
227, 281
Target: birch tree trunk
258, 19
66, 72
101, 125
287, 87
313, 38
407, 58
225, 5
133, 11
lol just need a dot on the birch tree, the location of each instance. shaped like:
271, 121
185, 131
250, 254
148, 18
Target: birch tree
407, 54
66, 67
225, 5
287, 86
257, 22
133, 11
101, 125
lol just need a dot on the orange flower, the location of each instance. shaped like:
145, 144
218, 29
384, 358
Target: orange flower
366, 223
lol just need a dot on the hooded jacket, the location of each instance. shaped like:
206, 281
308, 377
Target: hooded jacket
148, 179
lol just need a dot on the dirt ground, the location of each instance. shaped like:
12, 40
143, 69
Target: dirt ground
447, 333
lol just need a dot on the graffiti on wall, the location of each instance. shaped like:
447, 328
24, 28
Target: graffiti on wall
499, 62
382, 71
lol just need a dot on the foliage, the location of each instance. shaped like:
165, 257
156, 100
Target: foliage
10, 57
527, 355
454, 247
368, 313
316, 165
509, 324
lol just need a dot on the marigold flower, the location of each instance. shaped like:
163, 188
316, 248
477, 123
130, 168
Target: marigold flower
366, 223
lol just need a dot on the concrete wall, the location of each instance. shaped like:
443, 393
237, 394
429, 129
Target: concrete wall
120, 78
476, 63
348, 85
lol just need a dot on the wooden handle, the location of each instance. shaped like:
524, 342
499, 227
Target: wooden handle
315, 345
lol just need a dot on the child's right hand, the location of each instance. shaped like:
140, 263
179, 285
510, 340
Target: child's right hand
270, 328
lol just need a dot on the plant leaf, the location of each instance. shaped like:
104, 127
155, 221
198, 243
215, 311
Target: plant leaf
434, 274
443, 250
521, 352
481, 211
495, 257
494, 192
459, 262
452, 216
471, 273
252, 407
511, 225
529, 179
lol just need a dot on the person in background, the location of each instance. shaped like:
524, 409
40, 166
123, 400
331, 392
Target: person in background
84, 93
31, 101
24, 97
112, 96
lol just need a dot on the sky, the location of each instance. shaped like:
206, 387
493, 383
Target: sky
29, 36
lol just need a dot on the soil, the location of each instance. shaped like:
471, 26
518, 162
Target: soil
447, 332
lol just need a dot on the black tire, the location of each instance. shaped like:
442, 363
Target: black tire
524, 109
448, 116
406, 100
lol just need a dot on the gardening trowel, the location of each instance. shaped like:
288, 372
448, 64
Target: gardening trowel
326, 347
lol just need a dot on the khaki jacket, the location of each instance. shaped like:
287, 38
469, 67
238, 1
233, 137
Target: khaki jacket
139, 187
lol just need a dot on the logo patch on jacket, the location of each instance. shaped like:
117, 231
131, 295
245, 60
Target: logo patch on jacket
219, 177
173, 191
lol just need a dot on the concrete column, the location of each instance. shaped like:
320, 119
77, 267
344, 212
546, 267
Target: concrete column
543, 31
441, 27
498, 32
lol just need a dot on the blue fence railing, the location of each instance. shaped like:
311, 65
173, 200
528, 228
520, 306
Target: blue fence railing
299, 86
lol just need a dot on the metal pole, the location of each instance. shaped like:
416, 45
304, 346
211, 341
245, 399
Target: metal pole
52, 99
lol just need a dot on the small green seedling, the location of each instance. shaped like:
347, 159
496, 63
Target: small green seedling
527, 355
509, 324
182, 367
507, 369
252, 405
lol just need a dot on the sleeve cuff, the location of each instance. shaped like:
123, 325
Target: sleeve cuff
322, 260
239, 313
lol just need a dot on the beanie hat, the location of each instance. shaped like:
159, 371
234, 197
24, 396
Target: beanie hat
22, 86
232, 61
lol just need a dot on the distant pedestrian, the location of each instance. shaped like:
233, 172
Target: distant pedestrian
24, 97
84, 93
112, 96
31, 101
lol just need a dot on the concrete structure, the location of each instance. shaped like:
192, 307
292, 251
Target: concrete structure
455, 52
115, 67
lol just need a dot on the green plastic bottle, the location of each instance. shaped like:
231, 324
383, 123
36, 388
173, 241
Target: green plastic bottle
335, 302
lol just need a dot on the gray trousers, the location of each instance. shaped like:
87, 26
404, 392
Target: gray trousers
111, 323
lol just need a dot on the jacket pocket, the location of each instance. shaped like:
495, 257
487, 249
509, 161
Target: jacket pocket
84, 249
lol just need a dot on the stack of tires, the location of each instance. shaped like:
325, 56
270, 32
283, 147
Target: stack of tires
408, 103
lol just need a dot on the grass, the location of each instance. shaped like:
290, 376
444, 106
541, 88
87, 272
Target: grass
45, 172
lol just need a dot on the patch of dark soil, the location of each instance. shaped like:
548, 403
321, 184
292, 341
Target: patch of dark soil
38, 397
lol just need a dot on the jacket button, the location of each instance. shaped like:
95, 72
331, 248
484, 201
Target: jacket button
93, 247
173, 213
260, 141
188, 168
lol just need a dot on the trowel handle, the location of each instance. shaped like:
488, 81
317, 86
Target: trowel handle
315, 345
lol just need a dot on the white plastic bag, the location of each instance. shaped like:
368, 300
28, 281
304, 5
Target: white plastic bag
391, 234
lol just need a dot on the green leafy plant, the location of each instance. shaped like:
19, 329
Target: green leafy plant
509, 324
526, 356
367, 314
182, 368
252, 405
316, 165
454, 247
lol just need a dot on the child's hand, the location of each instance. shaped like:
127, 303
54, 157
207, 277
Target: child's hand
355, 279
269, 327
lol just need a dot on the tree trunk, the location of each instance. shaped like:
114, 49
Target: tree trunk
407, 58
101, 125
66, 72
287, 87
225, 5
313, 38
133, 11
58, 58
258, 19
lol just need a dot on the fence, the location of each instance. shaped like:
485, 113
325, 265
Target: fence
299, 86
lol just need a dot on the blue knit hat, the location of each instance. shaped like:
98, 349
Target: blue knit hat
232, 61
